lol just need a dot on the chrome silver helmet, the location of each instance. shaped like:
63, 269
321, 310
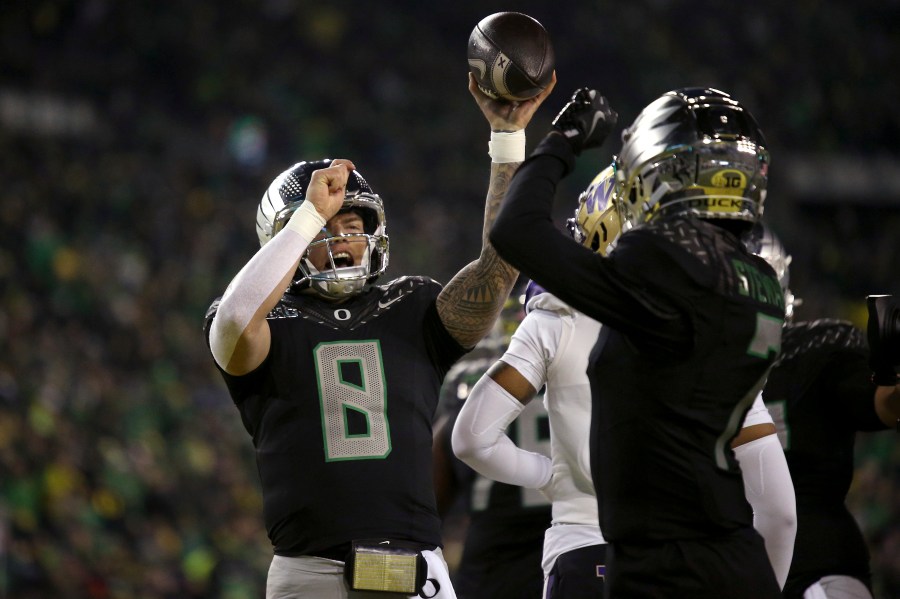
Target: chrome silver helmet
694, 150
284, 196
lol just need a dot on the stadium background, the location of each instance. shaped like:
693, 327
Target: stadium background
136, 139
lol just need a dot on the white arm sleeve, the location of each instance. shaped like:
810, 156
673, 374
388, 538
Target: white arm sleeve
479, 438
259, 277
770, 491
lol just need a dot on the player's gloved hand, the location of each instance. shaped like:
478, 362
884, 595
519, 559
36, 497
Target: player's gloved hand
586, 120
883, 332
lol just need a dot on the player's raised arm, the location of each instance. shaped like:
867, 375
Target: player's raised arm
472, 300
239, 334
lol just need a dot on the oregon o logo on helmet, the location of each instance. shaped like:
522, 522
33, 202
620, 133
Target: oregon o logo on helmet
729, 178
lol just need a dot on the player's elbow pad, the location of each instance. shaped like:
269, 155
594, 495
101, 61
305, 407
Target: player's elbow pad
767, 481
483, 420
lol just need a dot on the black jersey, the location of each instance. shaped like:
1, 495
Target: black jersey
341, 413
693, 322
504, 541
820, 394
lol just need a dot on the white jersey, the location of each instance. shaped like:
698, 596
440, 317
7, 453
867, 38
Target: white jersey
551, 347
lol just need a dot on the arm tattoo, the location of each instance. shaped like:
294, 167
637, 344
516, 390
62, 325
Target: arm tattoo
471, 302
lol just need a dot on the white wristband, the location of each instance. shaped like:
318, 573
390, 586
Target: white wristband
306, 221
507, 146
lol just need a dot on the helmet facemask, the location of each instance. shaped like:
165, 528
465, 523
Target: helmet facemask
337, 280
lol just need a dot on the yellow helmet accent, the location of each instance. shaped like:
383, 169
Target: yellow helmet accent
597, 222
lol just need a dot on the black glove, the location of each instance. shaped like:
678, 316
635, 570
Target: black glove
883, 332
586, 120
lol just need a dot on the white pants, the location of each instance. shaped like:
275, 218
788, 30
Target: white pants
319, 578
837, 587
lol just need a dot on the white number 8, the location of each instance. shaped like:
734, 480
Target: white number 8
364, 400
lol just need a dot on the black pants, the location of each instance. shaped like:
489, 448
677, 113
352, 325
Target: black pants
578, 574
733, 566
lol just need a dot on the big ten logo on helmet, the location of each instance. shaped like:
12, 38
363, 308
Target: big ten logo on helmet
724, 191
729, 183
729, 178
758, 285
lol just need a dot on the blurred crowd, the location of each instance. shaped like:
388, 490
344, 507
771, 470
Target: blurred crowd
136, 140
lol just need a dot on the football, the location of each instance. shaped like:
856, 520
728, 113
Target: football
511, 56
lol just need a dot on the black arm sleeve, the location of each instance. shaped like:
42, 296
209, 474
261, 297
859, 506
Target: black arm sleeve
525, 236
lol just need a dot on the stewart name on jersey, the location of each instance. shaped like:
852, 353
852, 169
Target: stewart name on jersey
340, 413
